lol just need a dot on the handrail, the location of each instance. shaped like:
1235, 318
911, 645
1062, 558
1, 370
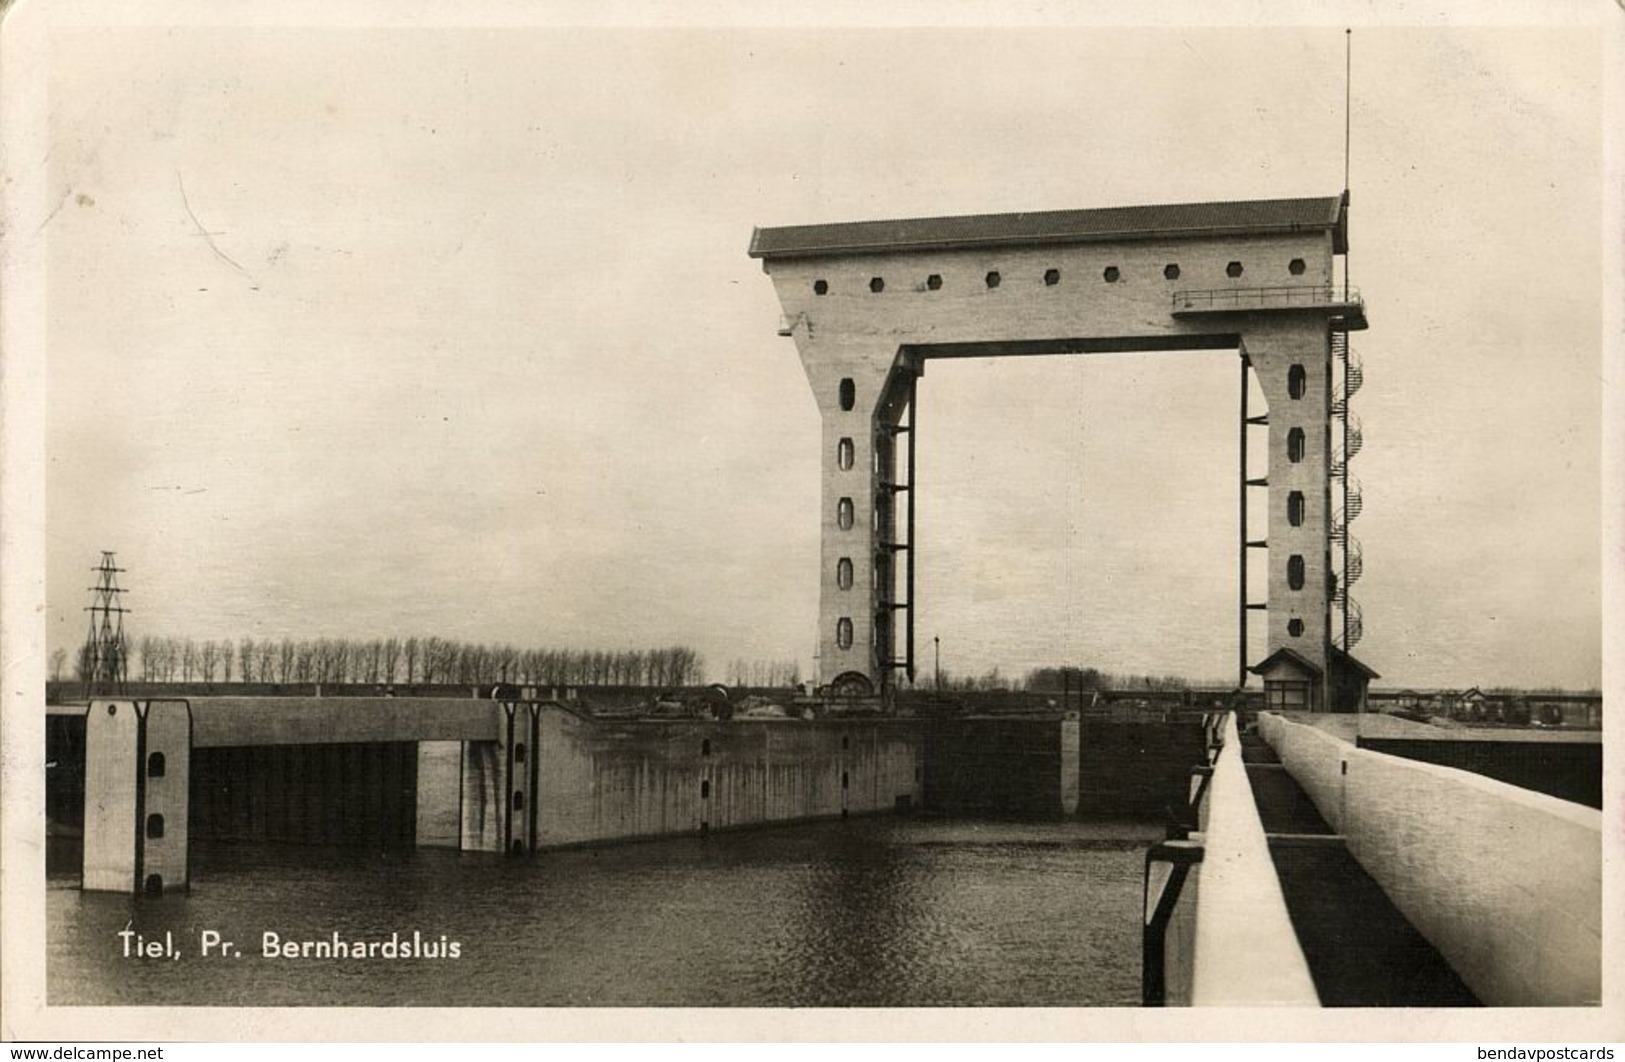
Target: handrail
1267, 298
1180, 856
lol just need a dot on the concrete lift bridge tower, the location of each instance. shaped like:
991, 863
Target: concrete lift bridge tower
869, 303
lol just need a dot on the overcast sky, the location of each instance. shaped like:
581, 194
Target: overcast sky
374, 332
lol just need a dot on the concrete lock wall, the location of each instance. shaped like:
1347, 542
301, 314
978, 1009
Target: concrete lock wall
439, 794
1506, 883
222, 721
483, 790
600, 781
992, 765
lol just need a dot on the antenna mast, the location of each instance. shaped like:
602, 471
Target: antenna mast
1348, 95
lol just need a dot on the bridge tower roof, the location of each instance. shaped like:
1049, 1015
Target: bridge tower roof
1255, 217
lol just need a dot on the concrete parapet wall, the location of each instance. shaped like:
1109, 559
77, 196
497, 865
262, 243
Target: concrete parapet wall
1246, 951
1506, 883
1315, 760
601, 780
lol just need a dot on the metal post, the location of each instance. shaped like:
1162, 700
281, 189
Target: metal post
1241, 488
913, 546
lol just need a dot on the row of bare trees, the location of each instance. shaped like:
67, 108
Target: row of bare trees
405, 660
775, 674
1089, 678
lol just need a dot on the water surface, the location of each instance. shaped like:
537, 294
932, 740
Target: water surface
878, 911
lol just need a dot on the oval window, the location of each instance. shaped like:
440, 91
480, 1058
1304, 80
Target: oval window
1294, 508
843, 514
849, 394
1297, 382
845, 454
1294, 572
1294, 627
1294, 445
843, 633
843, 573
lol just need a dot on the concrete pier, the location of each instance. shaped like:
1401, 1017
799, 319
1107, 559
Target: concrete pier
136, 811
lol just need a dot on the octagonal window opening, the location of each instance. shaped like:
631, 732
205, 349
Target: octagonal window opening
1170, 271
1294, 627
848, 394
820, 287
1294, 571
1297, 382
845, 454
877, 284
1233, 270
1112, 275
843, 573
843, 633
993, 278
155, 827
1052, 277
843, 514
1295, 508
1296, 267
1294, 445
934, 282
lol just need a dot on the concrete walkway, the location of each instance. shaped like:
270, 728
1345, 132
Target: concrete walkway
1361, 951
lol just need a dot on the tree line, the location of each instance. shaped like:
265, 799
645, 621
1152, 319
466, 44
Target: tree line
1054, 680
1089, 678
382, 661
764, 674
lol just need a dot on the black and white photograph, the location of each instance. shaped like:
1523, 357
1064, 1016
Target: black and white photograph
858, 515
